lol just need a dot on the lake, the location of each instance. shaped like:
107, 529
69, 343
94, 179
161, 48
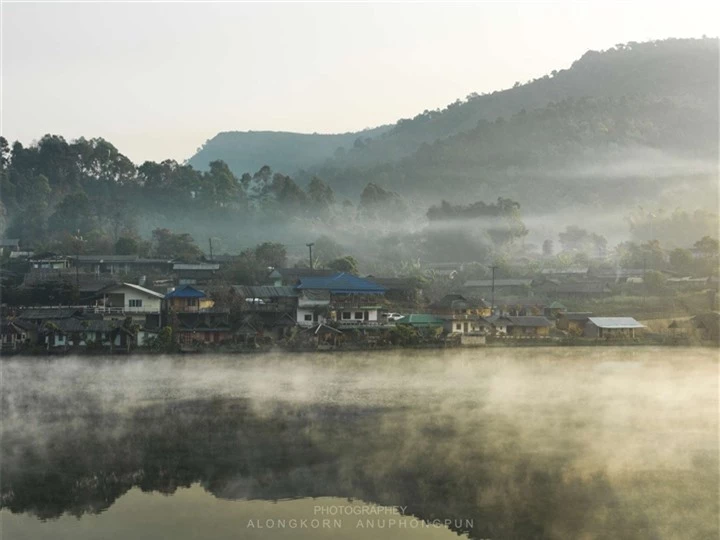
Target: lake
494, 443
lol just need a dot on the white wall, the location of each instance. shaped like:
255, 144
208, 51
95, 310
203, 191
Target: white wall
301, 312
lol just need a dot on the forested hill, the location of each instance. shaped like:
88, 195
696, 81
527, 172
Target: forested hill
609, 152
288, 152
672, 68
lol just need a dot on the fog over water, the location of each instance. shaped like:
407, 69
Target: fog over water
527, 443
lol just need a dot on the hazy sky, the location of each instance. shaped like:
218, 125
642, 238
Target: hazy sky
158, 79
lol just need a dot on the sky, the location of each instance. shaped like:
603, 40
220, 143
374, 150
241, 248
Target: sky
159, 79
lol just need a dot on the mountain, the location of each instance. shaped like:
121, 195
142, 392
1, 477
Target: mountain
668, 68
634, 124
248, 151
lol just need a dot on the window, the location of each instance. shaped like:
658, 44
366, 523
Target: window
458, 326
358, 314
308, 317
346, 315
192, 301
135, 303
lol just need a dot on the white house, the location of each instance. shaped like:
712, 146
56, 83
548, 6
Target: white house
131, 298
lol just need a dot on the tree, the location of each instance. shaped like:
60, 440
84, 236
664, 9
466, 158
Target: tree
271, 254
346, 264
175, 246
681, 260
126, 246
74, 213
707, 246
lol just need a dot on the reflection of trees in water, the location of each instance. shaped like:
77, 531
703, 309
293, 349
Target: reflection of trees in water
437, 466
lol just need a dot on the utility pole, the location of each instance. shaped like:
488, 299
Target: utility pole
78, 240
492, 291
310, 245
211, 253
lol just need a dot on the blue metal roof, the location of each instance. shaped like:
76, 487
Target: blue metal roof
186, 292
341, 283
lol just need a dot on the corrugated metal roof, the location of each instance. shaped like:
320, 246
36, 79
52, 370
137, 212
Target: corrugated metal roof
498, 283
264, 291
615, 322
196, 266
186, 292
137, 288
420, 319
529, 321
342, 283
49, 313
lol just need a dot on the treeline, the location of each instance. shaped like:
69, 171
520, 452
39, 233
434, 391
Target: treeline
55, 190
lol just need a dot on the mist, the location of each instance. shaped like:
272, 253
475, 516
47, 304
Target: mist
527, 443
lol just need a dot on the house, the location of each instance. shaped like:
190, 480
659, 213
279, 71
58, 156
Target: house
583, 290
612, 327
707, 326
274, 308
38, 316
519, 306
267, 298
14, 336
187, 299
202, 328
49, 261
78, 332
353, 300
502, 287
194, 273
496, 324
21, 255
458, 305
528, 326
195, 319
460, 315
121, 264
573, 321
9, 245
119, 301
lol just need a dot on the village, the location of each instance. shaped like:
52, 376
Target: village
125, 303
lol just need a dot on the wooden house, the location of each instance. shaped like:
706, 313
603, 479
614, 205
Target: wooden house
612, 327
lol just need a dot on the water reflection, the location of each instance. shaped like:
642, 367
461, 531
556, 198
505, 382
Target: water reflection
619, 446
194, 513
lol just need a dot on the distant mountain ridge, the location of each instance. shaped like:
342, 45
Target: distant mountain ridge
288, 152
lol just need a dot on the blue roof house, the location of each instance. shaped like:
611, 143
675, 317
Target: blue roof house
352, 300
